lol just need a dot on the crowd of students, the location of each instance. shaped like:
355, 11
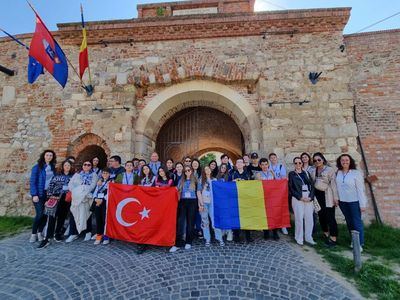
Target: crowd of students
315, 189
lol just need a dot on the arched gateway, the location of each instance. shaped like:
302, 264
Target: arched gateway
206, 97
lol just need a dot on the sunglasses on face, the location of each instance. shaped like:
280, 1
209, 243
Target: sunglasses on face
87, 165
298, 163
318, 159
188, 171
188, 160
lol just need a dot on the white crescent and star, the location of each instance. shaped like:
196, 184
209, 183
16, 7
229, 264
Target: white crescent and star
144, 213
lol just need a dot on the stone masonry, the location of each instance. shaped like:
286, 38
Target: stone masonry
253, 67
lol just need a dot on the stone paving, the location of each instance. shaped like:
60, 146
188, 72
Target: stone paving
261, 270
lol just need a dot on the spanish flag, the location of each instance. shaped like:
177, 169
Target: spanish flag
252, 205
83, 52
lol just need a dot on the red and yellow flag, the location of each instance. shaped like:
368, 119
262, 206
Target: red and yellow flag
83, 52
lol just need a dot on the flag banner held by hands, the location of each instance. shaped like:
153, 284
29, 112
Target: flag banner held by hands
47, 52
252, 205
143, 215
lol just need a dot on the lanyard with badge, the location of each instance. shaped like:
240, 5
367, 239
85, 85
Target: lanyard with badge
305, 193
128, 179
188, 194
100, 192
65, 186
207, 192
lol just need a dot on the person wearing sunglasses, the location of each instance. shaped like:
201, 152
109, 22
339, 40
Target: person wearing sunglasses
81, 185
326, 193
187, 161
352, 198
302, 191
187, 208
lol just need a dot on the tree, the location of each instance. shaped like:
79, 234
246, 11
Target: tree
205, 159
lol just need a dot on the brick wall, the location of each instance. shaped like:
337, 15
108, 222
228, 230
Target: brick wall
375, 65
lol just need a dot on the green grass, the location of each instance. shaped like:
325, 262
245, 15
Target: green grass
375, 278
383, 241
13, 225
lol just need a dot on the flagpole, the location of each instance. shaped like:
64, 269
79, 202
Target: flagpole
83, 26
15, 39
66, 57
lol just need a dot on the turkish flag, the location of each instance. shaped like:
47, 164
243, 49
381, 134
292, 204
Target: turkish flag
143, 215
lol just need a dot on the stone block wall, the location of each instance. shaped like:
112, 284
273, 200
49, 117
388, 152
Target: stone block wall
257, 81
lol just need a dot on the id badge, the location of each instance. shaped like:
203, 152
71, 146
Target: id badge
65, 187
100, 195
112, 176
187, 195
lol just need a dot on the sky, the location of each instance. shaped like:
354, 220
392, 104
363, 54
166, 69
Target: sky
16, 16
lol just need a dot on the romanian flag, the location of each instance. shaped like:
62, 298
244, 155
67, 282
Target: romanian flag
83, 52
253, 204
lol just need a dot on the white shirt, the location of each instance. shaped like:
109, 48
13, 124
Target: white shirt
351, 187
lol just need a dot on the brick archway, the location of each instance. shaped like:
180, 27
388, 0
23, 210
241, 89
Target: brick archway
193, 94
88, 146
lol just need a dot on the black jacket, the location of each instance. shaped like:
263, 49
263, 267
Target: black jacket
295, 184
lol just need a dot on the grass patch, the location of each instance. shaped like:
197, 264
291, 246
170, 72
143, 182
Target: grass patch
375, 279
383, 241
13, 225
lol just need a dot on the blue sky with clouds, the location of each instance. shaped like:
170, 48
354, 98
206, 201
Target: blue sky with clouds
16, 16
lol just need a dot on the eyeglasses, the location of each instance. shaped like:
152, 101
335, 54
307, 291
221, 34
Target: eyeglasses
188, 171
318, 159
298, 163
87, 165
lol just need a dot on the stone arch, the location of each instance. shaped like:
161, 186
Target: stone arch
87, 146
203, 66
190, 94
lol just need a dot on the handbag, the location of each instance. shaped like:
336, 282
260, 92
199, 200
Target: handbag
316, 205
68, 196
320, 184
52, 202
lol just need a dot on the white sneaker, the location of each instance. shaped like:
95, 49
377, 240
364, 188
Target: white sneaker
33, 238
40, 237
97, 242
299, 243
93, 237
188, 246
173, 249
88, 236
311, 242
106, 242
71, 238
229, 236
284, 231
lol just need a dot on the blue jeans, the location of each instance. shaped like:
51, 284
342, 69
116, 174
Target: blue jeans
205, 224
40, 219
352, 214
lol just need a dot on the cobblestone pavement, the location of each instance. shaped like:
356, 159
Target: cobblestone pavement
261, 270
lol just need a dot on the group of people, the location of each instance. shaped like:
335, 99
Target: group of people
315, 189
